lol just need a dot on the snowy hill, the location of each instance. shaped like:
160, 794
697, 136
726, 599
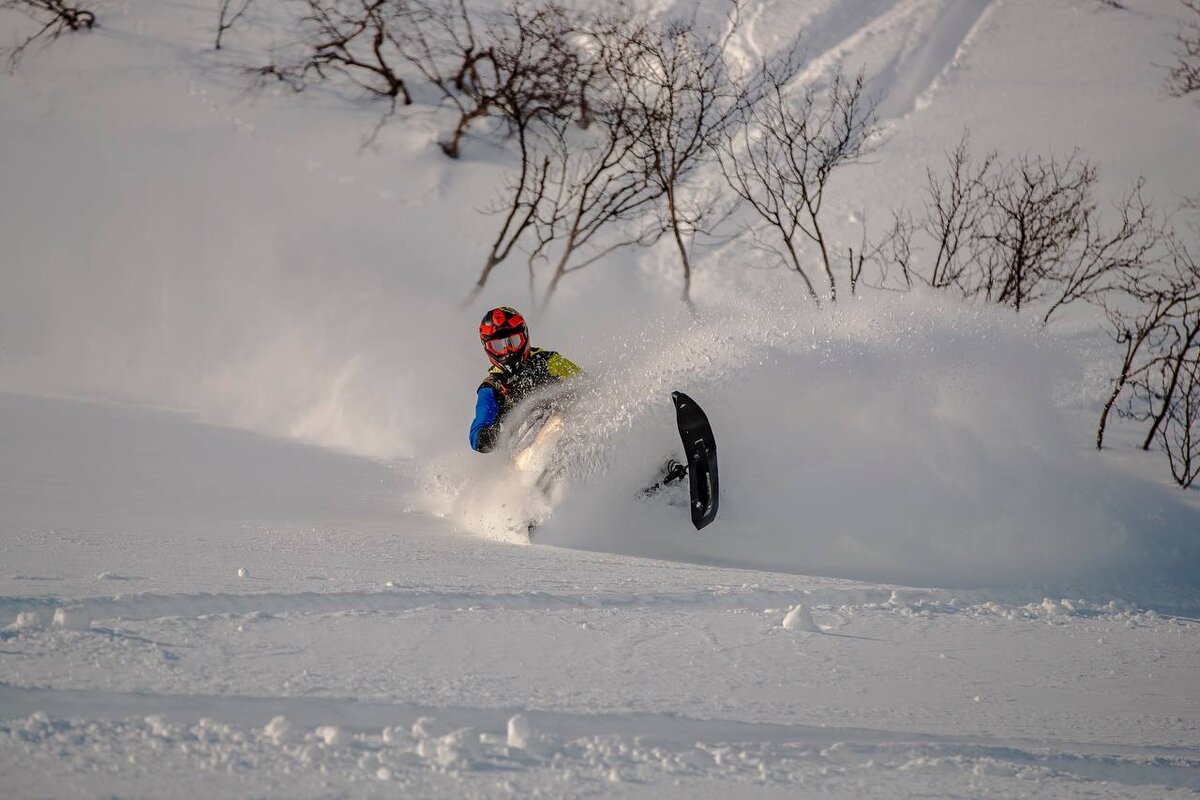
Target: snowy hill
246, 552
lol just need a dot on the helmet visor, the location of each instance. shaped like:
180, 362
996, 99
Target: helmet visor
506, 344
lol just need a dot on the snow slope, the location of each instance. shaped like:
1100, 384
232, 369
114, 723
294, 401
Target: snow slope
923, 580
307, 639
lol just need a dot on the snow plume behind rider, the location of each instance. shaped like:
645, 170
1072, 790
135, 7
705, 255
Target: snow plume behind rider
517, 371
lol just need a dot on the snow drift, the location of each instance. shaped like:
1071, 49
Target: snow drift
901, 439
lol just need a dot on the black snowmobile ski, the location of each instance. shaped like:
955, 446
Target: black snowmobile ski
700, 448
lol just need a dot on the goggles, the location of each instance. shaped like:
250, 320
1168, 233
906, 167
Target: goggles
505, 345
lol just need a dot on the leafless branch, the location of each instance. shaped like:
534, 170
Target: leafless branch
780, 155
1155, 316
1105, 255
356, 39
523, 193
1180, 436
55, 17
230, 13
683, 102
1028, 230
597, 191
892, 250
1184, 76
955, 210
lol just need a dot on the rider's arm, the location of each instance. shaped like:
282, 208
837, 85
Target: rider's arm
484, 428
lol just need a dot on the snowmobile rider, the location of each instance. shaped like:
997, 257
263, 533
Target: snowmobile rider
517, 370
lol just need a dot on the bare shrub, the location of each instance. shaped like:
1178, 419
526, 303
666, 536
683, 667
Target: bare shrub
955, 211
1184, 76
657, 99
682, 103
1038, 212
1104, 255
228, 15
891, 252
1029, 231
1156, 318
55, 17
1133, 318
1181, 435
1163, 386
525, 67
520, 64
781, 154
519, 200
356, 39
598, 196
556, 132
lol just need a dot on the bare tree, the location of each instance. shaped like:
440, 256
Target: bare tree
892, 251
1184, 76
1097, 266
1176, 343
1029, 230
1165, 391
1179, 347
230, 12
682, 101
581, 193
55, 17
357, 39
783, 151
955, 210
441, 44
521, 63
1132, 329
1153, 315
598, 194
1181, 435
526, 66
1039, 209
542, 102
521, 197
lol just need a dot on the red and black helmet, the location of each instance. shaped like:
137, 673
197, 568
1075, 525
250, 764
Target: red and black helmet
505, 337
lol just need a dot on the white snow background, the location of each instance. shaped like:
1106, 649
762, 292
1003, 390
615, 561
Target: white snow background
246, 551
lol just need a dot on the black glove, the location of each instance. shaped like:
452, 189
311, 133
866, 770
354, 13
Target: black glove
486, 441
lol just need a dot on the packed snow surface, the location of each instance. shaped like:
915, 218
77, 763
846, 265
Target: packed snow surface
301, 583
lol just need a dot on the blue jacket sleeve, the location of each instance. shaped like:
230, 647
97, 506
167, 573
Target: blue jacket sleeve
487, 409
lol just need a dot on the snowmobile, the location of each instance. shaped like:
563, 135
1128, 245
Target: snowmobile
535, 454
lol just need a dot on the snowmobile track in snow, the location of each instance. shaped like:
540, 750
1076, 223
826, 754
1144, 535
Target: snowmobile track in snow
913, 43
